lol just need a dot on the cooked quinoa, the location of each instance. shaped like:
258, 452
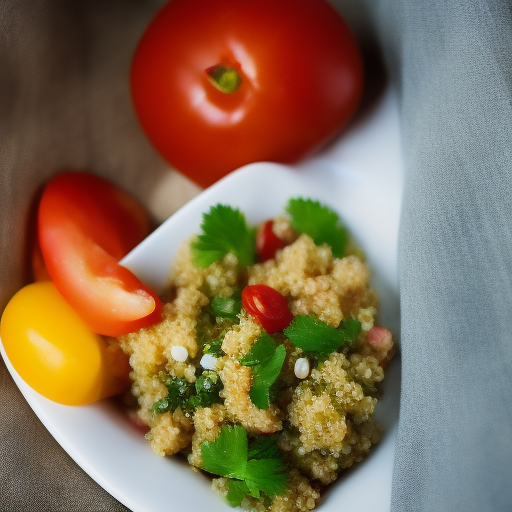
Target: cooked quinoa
323, 422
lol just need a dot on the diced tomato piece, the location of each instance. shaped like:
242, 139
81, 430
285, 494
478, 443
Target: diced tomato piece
267, 242
268, 306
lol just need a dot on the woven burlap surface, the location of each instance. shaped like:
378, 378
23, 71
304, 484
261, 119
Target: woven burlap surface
64, 104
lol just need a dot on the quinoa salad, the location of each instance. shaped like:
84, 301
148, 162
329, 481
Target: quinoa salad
264, 371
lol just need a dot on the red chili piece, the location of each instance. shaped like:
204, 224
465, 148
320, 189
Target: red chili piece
267, 242
268, 306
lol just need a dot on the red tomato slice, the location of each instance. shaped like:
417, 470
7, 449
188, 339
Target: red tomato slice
268, 306
85, 226
267, 242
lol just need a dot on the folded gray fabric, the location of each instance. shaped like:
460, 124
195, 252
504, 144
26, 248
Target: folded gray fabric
452, 64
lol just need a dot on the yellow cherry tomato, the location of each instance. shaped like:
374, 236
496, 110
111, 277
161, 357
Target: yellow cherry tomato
54, 351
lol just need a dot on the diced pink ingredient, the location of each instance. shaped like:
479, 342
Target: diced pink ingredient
381, 340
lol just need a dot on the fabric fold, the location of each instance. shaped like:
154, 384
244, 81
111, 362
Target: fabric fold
451, 63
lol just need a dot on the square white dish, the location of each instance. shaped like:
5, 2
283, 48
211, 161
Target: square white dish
361, 179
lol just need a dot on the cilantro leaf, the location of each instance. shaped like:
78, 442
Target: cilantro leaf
190, 396
226, 307
228, 456
253, 488
260, 396
317, 337
264, 376
261, 352
350, 329
319, 222
264, 447
267, 474
224, 230
266, 360
237, 491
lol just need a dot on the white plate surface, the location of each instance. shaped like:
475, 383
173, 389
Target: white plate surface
361, 178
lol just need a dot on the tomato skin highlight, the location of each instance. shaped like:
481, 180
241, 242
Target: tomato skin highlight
55, 353
301, 80
85, 225
267, 242
267, 306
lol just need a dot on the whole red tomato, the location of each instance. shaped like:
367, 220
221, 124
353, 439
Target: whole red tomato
217, 84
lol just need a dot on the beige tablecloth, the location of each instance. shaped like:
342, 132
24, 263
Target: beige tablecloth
64, 104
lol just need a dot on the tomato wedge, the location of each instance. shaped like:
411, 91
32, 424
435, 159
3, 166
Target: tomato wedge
85, 226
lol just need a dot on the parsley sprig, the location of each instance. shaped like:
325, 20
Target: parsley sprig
251, 469
227, 307
319, 222
214, 348
320, 339
266, 359
204, 392
224, 230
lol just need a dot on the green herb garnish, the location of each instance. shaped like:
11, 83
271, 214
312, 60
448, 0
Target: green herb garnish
207, 388
179, 391
226, 307
261, 351
229, 456
204, 392
214, 348
319, 222
266, 359
264, 447
318, 338
224, 230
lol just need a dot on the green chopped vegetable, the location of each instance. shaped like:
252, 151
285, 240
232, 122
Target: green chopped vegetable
264, 447
229, 456
179, 390
204, 392
266, 359
214, 348
237, 491
224, 230
319, 222
318, 338
207, 387
261, 352
226, 307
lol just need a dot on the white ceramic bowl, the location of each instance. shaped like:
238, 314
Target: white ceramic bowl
361, 179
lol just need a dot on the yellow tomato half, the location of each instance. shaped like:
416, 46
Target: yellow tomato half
55, 353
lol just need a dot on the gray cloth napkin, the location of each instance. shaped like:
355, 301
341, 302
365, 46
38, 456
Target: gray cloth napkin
452, 63
64, 103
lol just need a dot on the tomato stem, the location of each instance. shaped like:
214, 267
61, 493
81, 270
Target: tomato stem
224, 79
